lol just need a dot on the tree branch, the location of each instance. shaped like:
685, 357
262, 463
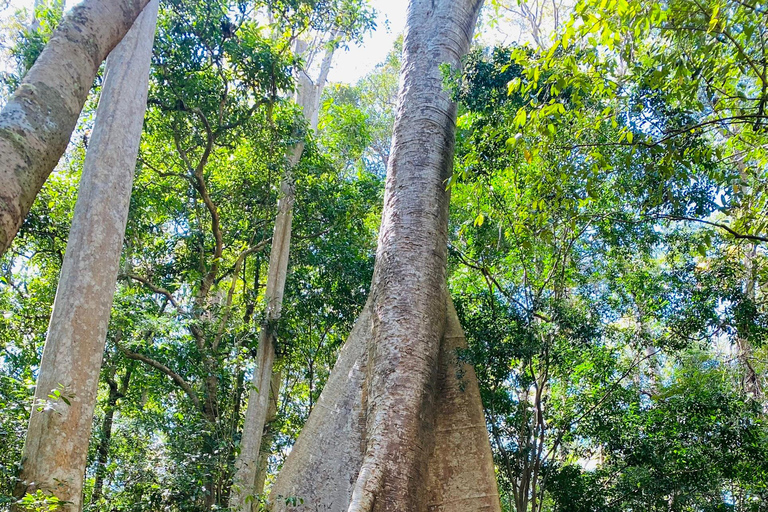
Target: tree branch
155, 289
231, 292
732, 232
178, 379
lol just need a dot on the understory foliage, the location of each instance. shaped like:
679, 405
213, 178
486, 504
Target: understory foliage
608, 252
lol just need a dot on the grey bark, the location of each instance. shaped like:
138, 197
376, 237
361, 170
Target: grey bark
36, 123
268, 436
248, 479
392, 430
59, 429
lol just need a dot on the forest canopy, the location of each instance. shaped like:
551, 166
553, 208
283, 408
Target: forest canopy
607, 252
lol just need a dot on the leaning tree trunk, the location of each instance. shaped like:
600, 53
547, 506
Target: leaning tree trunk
38, 119
60, 424
399, 425
248, 479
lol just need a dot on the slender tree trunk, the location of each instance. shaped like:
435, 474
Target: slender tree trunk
38, 119
750, 380
395, 428
269, 432
60, 424
247, 474
102, 452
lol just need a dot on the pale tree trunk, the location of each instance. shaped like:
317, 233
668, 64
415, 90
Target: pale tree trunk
38, 119
248, 479
399, 425
268, 437
750, 380
59, 429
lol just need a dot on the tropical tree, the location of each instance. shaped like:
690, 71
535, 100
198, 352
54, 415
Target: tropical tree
396, 368
55, 449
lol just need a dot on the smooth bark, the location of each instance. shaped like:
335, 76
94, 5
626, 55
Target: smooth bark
37, 121
60, 424
393, 430
751, 381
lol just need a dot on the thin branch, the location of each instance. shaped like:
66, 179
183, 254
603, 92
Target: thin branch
231, 292
178, 379
732, 232
155, 289
163, 174
486, 273
607, 394
209, 140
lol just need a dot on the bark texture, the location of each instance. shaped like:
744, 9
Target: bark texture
248, 480
38, 119
323, 467
384, 435
60, 425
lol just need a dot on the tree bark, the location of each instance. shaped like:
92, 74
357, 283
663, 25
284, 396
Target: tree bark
393, 429
246, 484
38, 119
59, 429
268, 437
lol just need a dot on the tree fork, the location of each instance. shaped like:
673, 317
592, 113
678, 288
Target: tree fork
331, 446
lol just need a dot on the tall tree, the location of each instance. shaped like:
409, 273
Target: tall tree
57, 440
263, 383
38, 119
398, 429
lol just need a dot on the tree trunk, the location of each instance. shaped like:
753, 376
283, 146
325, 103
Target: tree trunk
750, 379
396, 428
269, 433
38, 119
102, 452
246, 485
60, 424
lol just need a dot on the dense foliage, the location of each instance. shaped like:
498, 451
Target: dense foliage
608, 242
